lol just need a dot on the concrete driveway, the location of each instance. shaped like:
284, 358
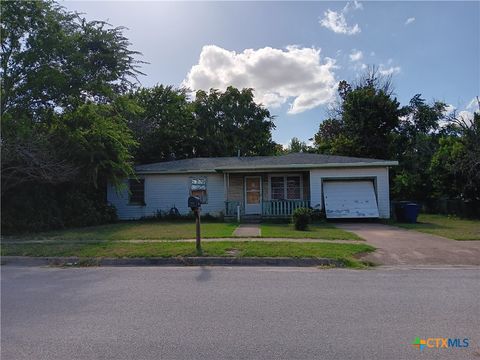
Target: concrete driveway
396, 246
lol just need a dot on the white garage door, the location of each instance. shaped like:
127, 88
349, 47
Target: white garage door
350, 199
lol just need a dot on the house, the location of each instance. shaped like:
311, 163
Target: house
266, 186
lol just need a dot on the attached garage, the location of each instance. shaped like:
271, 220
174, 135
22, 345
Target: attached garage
350, 199
352, 191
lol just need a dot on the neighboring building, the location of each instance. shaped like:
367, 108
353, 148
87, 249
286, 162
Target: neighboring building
267, 186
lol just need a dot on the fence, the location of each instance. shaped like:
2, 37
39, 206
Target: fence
458, 207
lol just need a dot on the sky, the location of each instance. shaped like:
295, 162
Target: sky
294, 53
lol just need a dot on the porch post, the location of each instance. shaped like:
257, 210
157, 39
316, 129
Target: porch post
225, 187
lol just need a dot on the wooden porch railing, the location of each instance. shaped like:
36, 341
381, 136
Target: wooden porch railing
270, 208
282, 207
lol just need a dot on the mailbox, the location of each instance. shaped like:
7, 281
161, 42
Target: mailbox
194, 202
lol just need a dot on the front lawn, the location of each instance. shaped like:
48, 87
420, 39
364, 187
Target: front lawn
446, 226
315, 231
136, 230
343, 252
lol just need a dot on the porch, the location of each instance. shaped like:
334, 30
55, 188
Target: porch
269, 208
266, 195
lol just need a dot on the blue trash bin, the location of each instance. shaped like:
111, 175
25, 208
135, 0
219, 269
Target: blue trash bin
410, 212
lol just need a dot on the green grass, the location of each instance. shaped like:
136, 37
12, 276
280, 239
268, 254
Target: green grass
446, 226
343, 252
316, 231
136, 230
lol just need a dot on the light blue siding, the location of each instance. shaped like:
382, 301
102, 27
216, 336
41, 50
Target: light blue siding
165, 191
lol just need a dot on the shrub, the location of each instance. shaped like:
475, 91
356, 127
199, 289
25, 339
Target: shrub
85, 209
39, 208
29, 209
301, 218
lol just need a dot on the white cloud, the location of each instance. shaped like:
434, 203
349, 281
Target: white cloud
473, 104
449, 109
356, 55
392, 70
336, 21
353, 5
277, 75
466, 116
409, 20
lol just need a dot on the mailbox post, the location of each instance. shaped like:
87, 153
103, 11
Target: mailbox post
194, 203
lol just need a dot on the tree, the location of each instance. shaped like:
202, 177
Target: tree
63, 132
331, 138
164, 126
296, 146
52, 59
231, 121
455, 166
98, 141
364, 119
415, 141
446, 177
33, 159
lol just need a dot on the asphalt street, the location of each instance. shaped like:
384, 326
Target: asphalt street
237, 313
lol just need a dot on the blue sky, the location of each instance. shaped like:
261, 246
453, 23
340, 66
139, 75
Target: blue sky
294, 53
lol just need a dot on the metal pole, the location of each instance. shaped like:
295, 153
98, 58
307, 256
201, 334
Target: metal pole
197, 221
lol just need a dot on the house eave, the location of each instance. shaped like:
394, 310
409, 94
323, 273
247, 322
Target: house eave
172, 172
306, 166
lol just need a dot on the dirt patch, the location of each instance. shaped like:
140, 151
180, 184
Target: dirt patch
232, 252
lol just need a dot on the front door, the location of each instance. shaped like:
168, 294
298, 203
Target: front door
253, 194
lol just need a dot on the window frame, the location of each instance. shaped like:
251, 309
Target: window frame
130, 193
285, 176
203, 200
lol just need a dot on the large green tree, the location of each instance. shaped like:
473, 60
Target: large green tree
415, 140
230, 121
54, 59
63, 129
455, 166
164, 127
363, 121
52, 63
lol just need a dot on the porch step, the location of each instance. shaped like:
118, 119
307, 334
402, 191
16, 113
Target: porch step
251, 219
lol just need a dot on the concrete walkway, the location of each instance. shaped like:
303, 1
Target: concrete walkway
396, 246
247, 230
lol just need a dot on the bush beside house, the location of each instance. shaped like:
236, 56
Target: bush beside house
302, 217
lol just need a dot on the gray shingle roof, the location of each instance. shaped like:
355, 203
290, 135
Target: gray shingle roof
296, 160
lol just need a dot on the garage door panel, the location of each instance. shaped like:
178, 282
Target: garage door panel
350, 199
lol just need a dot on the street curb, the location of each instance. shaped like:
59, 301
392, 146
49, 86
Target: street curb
173, 261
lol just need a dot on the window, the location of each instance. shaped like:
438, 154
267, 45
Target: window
198, 187
278, 188
293, 187
137, 191
288, 187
